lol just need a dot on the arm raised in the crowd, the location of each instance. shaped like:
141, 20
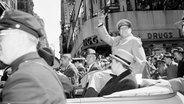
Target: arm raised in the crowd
103, 33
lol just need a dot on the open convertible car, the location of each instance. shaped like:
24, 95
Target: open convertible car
145, 95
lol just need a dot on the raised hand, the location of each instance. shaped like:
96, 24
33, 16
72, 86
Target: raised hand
101, 17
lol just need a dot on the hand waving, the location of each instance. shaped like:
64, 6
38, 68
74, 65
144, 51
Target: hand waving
101, 17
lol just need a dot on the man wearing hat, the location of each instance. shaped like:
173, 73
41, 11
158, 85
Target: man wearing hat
93, 66
79, 64
178, 54
118, 78
172, 67
48, 55
69, 68
123, 79
125, 41
91, 60
32, 80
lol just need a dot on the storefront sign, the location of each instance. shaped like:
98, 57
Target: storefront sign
153, 34
157, 34
160, 35
91, 41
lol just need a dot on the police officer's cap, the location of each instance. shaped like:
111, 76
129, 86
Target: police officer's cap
123, 22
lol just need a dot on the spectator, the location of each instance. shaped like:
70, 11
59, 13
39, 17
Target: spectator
32, 80
111, 80
172, 67
132, 3
178, 54
91, 60
78, 64
161, 69
69, 68
93, 66
48, 55
182, 24
123, 5
125, 41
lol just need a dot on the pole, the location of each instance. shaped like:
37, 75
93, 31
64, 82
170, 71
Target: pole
106, 19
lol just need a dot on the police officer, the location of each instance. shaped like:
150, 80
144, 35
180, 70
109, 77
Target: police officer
32, 79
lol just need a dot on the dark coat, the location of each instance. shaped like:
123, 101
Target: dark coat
67, 85
88, 92
72, 73
94, 67
33, 81
124, 81
181, 68
82, 72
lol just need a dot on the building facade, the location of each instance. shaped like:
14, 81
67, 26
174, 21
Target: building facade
67, 8
155, 22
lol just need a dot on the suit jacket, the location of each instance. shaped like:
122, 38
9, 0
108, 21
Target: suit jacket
33, 81
131, 44
172, 70
97, 82
181, 68
72, 73
124, 81
94, 67
67, 85
177, 84
85, 80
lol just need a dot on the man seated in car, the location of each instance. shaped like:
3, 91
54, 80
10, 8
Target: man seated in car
78, 62
121, 79
93, 66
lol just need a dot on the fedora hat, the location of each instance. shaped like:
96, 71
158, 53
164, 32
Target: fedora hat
178, 49
123, 56
91, 51
79, 59
168, 55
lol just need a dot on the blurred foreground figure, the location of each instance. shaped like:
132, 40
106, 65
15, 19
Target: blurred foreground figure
48, 55
32, 80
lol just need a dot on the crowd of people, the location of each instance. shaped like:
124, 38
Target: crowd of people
145, 5
160, 5
30, 75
